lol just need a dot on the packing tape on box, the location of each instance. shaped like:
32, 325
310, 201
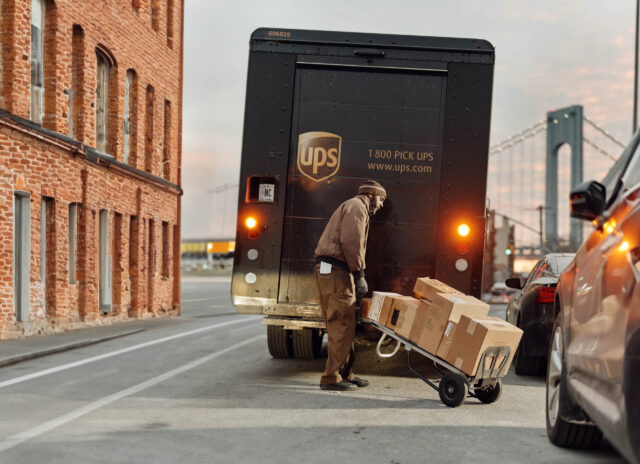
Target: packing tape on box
448, 329
472, 327
458, 363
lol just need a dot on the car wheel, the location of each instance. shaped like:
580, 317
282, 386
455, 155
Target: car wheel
527, 365
560, 429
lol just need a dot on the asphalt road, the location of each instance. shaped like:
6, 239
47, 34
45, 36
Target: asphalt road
203, 389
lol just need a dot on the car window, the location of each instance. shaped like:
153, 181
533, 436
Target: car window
533, 273
619, 176
562, 262
546, 270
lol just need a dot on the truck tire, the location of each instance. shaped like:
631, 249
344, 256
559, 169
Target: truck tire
490, 395
279, 342
452, 389
560, 429
307, 343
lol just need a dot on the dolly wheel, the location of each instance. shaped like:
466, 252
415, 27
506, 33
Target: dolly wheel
452, 389
490, 395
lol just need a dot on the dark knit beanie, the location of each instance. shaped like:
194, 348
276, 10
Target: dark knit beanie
372, 187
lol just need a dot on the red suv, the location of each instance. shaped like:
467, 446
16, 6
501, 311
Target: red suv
593, 373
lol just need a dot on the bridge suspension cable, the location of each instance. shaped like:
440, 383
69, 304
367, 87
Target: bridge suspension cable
604, 132
519, 137
599, 149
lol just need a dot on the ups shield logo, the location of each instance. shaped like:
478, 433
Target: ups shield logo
319, 155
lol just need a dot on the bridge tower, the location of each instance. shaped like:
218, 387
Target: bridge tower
563, 126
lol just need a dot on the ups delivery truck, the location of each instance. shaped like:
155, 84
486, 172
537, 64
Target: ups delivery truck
325, 111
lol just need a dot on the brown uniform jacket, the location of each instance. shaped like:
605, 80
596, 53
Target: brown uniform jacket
345, 235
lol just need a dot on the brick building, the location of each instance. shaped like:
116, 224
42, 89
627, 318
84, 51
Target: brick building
90, 156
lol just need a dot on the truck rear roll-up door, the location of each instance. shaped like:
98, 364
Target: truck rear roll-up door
381, 122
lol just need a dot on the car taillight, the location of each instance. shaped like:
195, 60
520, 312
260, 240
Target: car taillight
545, 294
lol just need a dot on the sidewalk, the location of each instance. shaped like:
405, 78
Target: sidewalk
15, 351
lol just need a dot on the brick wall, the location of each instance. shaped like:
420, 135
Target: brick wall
43, 162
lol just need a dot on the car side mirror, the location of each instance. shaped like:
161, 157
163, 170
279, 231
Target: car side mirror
588, 200
514, 282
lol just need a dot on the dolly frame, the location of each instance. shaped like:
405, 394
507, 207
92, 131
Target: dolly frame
487, 377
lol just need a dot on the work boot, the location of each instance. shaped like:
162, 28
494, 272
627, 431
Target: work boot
343, 385
358, 382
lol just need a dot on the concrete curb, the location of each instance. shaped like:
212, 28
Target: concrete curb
60, 348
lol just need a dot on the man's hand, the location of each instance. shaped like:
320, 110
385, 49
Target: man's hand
361, 284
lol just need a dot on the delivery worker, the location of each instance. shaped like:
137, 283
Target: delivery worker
339, 275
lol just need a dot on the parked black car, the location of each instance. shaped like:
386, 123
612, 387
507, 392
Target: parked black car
531, 309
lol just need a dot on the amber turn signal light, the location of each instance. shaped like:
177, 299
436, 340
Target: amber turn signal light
463, 230
251, 223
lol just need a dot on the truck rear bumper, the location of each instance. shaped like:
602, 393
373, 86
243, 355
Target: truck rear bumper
270, 307
294, 324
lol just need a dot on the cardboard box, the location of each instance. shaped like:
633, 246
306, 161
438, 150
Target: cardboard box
427, 288
446, 307
402, 315
424, 306
474, 335
381, 304
447, 339
365, 308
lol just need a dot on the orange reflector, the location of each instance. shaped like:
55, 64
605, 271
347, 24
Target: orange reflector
250, 222
624, 246
463, 230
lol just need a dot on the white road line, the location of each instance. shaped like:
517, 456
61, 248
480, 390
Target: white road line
100, 357
45, 427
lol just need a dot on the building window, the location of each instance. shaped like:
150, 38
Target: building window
21, 255
148, 136
130, 119
165, 249
76, 95
102, 101
166, 149
47, 246
117, 261
37, 60
104, 282
170, 23
73, 241
155, 15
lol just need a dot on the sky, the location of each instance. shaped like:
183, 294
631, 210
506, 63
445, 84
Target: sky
549, 55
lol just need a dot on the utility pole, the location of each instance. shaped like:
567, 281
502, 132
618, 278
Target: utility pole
635, 73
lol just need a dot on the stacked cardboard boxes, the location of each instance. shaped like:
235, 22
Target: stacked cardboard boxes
443, 321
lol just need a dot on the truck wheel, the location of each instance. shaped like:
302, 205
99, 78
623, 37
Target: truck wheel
307, 343
452, 389
279, 342
560, 430
491, 395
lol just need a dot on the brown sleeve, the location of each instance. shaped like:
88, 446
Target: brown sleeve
353, 234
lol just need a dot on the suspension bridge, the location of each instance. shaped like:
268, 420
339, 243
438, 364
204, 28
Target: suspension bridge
519, 178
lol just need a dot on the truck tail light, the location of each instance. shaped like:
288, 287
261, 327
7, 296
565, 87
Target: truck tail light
545, 294
463, 230
251, 222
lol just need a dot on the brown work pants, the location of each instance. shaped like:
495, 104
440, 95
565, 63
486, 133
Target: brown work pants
338, 303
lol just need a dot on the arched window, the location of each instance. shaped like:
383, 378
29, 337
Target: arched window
37, 60
104, 64
130, 115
